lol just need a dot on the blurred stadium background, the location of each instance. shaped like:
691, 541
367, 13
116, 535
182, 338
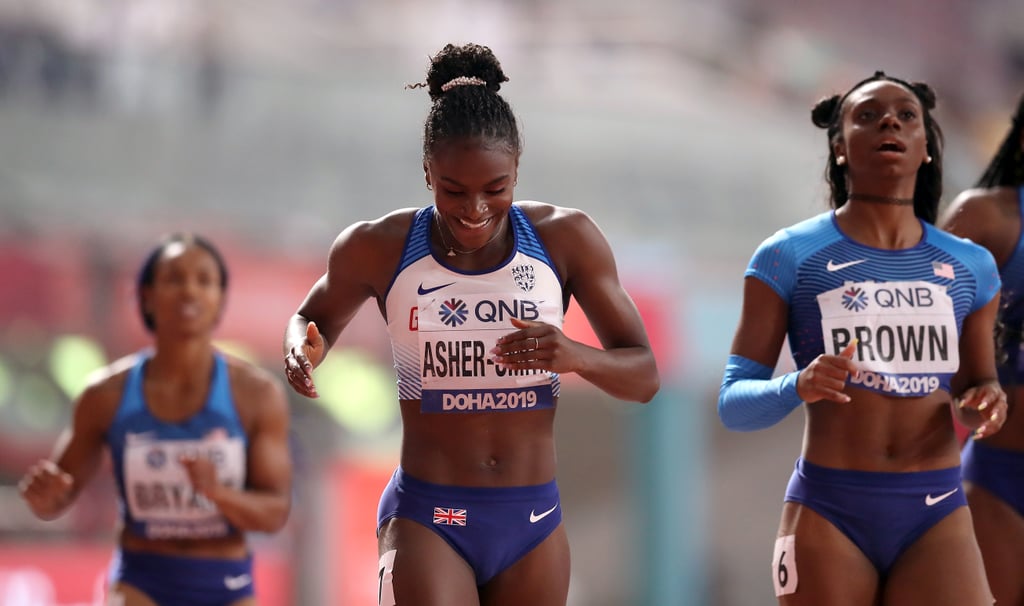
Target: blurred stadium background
681, 126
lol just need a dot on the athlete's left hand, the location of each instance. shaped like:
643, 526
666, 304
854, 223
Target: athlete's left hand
202, 473
536, 345
982, 408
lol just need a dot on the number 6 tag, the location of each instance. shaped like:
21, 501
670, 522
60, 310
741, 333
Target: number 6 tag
784, 565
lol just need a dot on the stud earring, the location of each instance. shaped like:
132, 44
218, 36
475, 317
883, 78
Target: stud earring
927, 159
840, 160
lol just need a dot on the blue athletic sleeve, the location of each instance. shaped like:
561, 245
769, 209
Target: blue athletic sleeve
750, 399
774, 263
984, 267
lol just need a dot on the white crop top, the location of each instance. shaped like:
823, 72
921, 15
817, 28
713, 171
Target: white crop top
443, 322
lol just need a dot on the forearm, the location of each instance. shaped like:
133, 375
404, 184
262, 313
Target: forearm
627, 373
295, 333
252, 510
750, 399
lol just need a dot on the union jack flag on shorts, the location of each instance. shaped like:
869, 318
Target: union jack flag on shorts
449, 517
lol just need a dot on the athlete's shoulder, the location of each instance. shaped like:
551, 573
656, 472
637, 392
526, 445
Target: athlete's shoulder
968, 252
986, 201
112, 376
104, 389
244, 372
811, 227
542, 214
254, 385
567, 234
563, 221
949, 241
372, 245
810, 234
394, 224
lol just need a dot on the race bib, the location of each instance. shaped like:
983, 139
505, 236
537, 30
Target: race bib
906, 333
456, 335
159, 494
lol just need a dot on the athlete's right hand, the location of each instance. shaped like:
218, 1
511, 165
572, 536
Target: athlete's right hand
302, 359
825, 377
47, 489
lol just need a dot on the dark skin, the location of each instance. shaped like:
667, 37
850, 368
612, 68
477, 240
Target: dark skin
185, 301
991, 218
472, 181
852, 428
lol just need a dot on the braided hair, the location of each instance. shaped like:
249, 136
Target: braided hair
1007, 167
463, 83
827, 114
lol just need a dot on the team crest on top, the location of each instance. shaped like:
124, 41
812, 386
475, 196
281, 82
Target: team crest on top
523, 275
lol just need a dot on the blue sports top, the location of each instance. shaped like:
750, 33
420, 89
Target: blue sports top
1011, 305
443, 323
156, 496
905, 307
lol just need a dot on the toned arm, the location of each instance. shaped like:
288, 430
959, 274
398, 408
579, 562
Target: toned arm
52, 485
359, 266
625, 368
264, 503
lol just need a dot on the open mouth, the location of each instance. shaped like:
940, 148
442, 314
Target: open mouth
189, 310
891, 146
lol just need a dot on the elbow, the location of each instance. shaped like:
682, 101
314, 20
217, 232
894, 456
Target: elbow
727, 415
735, 424
647, 389
652, 389
274, 519
652, 385
274, 522
279, 518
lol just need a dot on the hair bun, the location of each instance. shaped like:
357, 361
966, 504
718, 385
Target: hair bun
466, 64
925, 94
824, 111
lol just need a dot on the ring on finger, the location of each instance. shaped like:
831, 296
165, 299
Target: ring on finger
536, 343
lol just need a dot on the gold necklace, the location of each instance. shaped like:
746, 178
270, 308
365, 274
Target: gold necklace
452, 251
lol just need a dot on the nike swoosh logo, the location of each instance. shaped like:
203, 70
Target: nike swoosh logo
236, 583
535, 517
929, 500
831, 266
427, 291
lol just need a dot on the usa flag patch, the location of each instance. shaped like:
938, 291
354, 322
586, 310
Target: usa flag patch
449, 517
943, 270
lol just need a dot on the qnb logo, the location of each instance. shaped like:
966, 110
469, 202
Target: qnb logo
453, 312
500, 311
854, 299
156, 458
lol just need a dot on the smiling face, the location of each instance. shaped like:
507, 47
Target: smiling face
185, 296
472, 180
883, 131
